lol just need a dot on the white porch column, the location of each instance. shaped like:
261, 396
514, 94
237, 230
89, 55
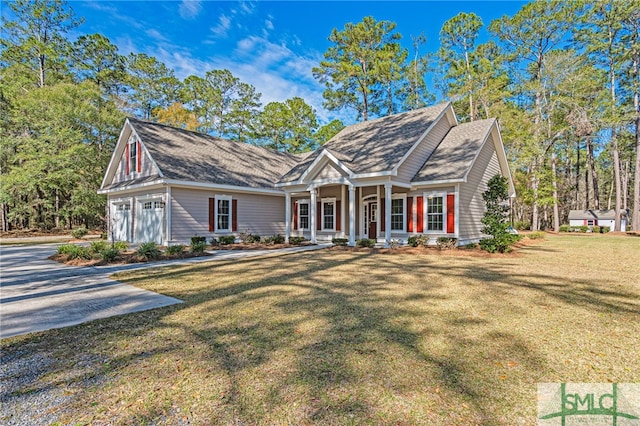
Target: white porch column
352, 215
287, 215
312, 213
387, 214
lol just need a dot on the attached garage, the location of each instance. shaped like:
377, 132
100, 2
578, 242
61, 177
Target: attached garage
149, 220
121, 221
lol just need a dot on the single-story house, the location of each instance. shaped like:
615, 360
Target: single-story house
602, 218
418, 172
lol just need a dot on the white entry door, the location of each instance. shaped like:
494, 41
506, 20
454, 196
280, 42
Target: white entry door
150, 220
121, 221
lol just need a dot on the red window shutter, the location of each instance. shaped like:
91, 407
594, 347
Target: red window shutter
585, 222
139, 156
319, 216
295, 215
409, 214
212, 214
451, 206
234, 215
338, 215
126, 155
419, 214
382, 219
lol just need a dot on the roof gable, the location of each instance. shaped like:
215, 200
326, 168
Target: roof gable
188, 156
455, 155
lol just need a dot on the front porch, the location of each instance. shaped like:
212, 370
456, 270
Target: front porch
383, 212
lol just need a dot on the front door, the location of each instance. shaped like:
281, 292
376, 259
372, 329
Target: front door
372, 220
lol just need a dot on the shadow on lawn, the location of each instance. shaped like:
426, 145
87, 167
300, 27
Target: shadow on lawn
352, 349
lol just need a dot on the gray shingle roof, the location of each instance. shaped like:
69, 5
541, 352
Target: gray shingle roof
595, 214
190, 156
376, 145
455, 154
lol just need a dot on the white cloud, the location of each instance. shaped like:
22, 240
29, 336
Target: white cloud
224, 23
189, 9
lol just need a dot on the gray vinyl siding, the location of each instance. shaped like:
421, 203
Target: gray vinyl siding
259, 214
148, 168
472, 206
416, 160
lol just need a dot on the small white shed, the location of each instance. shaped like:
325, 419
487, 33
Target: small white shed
602, 218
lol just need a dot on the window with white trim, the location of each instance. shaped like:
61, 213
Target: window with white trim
133, 156
303, 215
223, 214
328, 214
397, 212
435, 213
123, 207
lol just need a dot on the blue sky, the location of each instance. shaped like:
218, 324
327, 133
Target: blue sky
270, 44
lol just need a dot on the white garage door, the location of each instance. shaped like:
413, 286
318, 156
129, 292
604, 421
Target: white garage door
150, 220
121, 222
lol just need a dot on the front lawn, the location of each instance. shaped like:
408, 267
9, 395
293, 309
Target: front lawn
348, 337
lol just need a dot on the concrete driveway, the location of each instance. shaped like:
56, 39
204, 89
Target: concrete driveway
37, 294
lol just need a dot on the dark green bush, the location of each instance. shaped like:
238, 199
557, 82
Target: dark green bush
522, 225
98, 246
278, 239
340, 241
297, 240
79, 232
446, 242
73, 251
226, 239
109, 254
418, 240
366, 242
149, 250
198, 239
175, 249
121, 245
198, 247
499, 245
564, 228
252, 239
595, 229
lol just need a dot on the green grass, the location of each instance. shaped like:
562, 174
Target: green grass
339, 337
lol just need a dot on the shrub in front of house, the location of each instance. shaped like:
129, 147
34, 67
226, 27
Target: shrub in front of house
73, 251
198, 239
253, 239
149, 250
198, 247
177, 249
447, 243
296, 241
121, 245
109, 255
595, 229
394, 243
78, 233
340, 241
418, 240
225, 240
366, 242
565, 228
98, 246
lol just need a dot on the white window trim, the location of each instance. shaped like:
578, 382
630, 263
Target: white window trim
322, 202
308, 203
133, 166
215, 208
404, 213
426, 212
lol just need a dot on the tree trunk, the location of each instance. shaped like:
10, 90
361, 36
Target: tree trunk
636, 186
617, 179
594, 175
556, 212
